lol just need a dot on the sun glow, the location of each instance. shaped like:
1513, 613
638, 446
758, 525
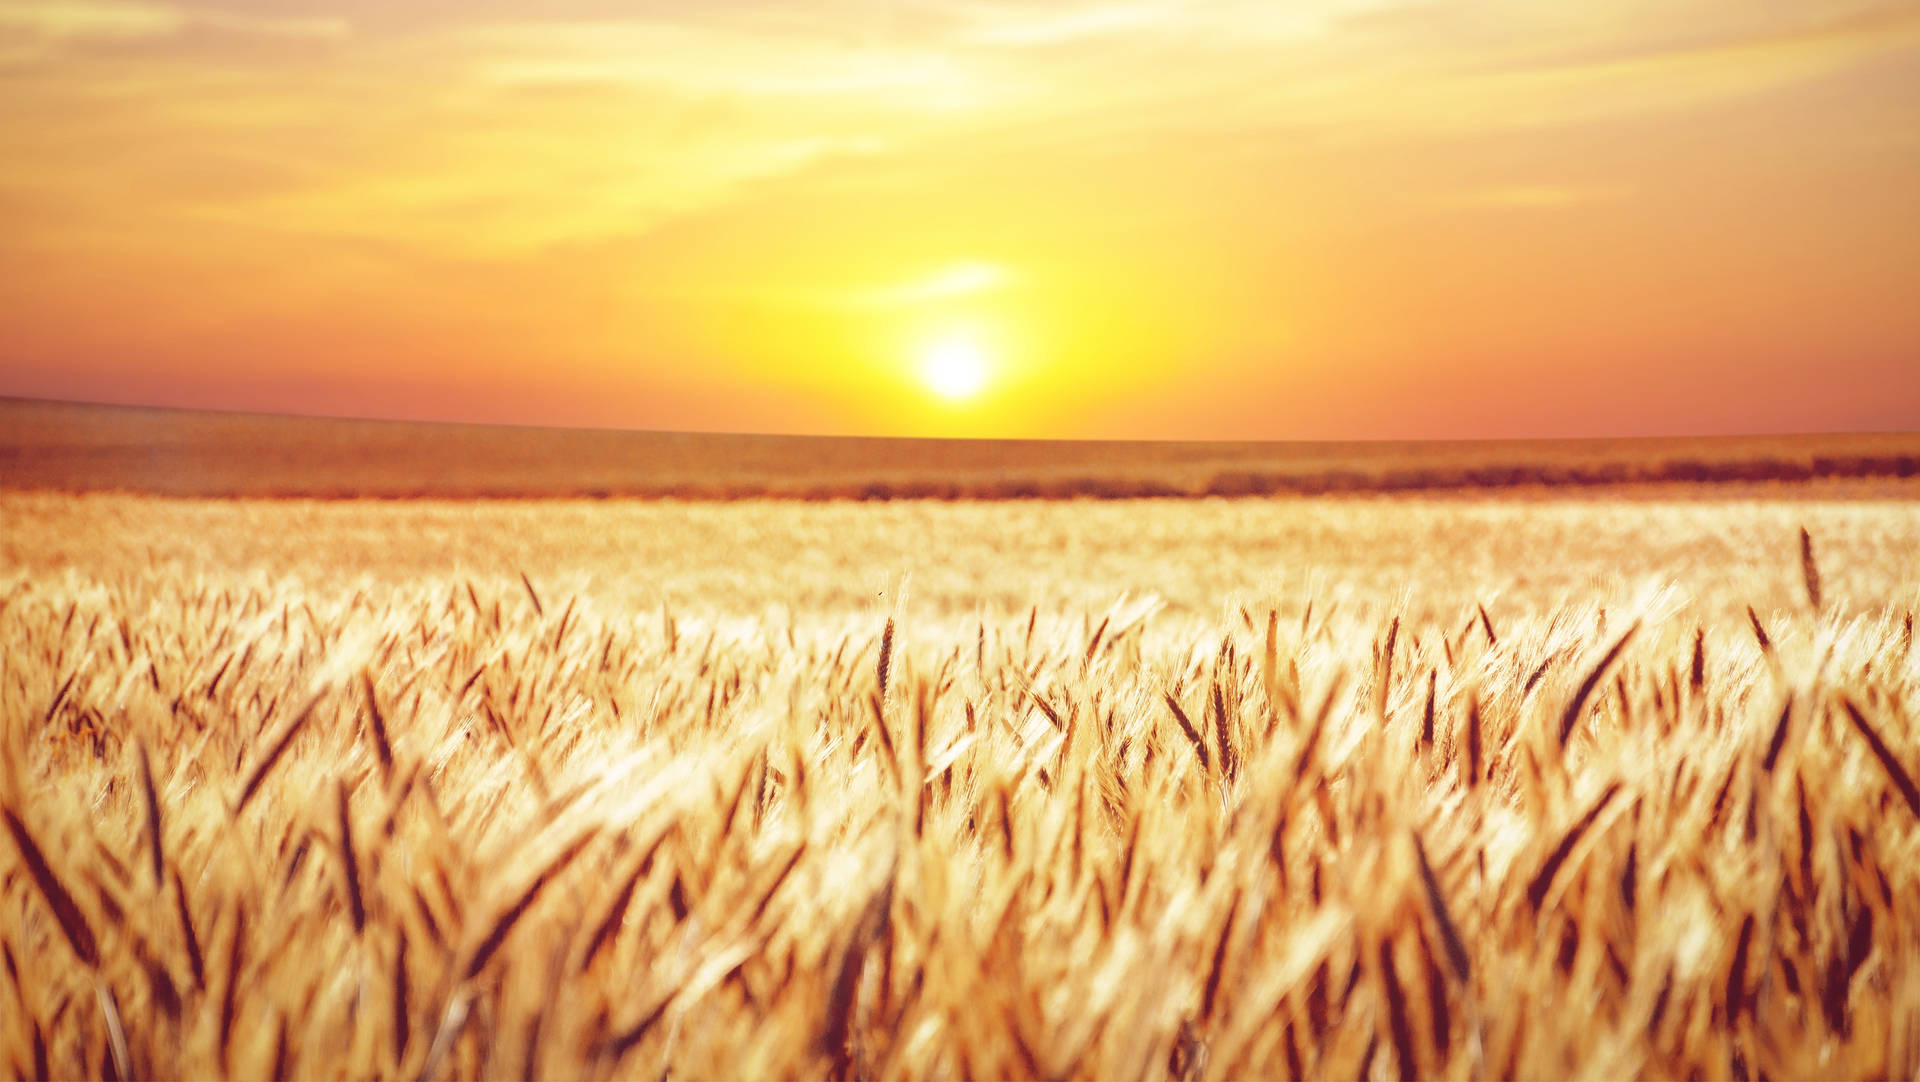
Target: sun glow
954, 367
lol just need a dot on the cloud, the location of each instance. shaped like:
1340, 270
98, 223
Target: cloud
41, 32
1597, 70
503, 125
958, 280
68, 20
331, 28
1022, 25
1534, 196
715, 57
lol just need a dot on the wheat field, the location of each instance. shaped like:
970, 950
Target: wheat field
1456, 788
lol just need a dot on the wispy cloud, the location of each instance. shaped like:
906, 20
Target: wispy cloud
119, 20
498, 127
715, 58
1024, 25
964, 279
1661, 78
75, 19
1534, 196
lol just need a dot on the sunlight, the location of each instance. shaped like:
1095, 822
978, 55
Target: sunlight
954, 367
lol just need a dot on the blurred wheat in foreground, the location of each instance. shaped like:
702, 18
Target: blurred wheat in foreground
478, 826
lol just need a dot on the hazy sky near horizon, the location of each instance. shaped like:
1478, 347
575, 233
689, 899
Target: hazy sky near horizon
1120, 218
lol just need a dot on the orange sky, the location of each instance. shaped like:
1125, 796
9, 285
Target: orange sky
1131, 218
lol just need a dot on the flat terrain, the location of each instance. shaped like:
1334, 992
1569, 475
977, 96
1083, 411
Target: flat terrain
1455, 788
75, 448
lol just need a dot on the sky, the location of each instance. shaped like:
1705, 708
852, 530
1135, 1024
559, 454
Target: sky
1317, 219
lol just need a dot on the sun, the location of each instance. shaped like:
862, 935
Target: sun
954, 368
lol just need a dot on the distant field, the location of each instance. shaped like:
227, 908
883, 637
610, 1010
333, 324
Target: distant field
60, 447
1319, 787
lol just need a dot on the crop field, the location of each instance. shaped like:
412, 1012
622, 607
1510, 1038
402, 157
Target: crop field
1614, 786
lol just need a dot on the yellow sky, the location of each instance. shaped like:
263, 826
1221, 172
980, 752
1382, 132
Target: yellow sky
1139, 218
